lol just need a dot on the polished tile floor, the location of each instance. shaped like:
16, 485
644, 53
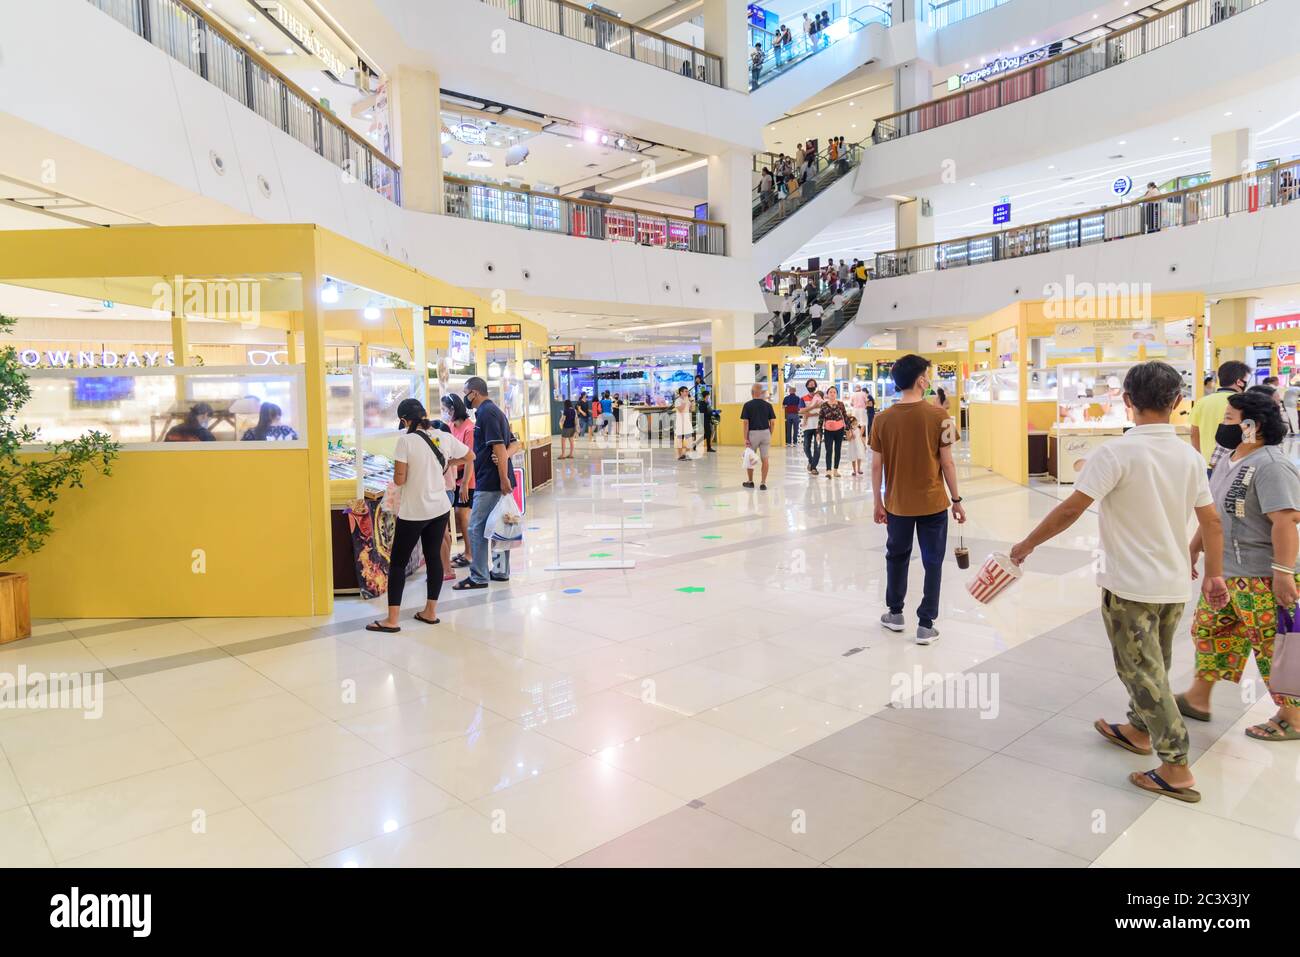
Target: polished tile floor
725, 702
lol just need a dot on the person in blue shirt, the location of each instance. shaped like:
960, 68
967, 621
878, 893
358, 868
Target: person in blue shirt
492, 480
791, 404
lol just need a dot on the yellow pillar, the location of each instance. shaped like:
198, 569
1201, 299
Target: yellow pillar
317, 434
180, 351
418, 124
292, 354
1231, 317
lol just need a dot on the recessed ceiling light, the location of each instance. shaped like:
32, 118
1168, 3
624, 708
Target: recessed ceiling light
1123, 142
1229, 113
851, 103
1053, 166
568, 146
315, 89
972, 184
819, 114
252, 19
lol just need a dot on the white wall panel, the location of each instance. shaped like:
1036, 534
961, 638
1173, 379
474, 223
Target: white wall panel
1244, 252
1256, 49
256, 155
202, 108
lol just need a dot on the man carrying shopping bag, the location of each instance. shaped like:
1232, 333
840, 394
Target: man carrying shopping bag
492, 480
757, 419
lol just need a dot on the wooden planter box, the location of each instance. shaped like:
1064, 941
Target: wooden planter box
15, 608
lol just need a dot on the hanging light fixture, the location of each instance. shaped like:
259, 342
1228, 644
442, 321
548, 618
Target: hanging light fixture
478, 159
494, 370
371, 313
329, 292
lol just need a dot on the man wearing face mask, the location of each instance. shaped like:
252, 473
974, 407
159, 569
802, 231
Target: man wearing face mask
492, 479
1207, 414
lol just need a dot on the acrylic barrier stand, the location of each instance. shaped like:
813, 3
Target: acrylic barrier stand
639, 474
585, 564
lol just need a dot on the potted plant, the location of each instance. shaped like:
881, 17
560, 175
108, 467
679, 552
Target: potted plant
31, 484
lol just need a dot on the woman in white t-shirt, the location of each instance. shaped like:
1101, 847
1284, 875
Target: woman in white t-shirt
422, 456
683, 424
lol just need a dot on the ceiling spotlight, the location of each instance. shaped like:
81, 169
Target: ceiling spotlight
371, 313
329, 292
590, 135
622, 143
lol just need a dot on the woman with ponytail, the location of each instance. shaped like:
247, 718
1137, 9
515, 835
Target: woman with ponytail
422, 457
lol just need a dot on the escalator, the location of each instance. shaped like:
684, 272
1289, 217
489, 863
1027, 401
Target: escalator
800, 328
788, 215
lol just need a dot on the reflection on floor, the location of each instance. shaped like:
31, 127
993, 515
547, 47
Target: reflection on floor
726, 702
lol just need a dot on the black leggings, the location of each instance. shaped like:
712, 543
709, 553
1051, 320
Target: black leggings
430, 533
832, 442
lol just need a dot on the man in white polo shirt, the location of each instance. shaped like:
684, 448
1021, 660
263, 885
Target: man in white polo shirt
1148, 483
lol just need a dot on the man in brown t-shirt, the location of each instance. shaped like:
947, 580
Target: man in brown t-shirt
911, 442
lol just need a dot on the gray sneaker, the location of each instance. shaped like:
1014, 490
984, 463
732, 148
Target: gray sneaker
892, 622
926, 636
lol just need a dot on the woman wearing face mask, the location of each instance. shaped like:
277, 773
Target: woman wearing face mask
1257, 491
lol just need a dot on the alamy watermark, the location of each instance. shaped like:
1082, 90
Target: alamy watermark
53, 691
1102, 300
946, 690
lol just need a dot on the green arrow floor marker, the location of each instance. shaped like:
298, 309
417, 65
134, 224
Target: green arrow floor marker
710, 536
599, 555
691, 590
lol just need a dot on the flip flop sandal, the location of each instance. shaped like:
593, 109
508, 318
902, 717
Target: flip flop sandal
386, 629
467, 584
1187, 710
460, 561
1163, 787
1288, 733
427, 621
1112, 734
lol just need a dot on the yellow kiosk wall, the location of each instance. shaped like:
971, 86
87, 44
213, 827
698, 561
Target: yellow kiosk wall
124, 546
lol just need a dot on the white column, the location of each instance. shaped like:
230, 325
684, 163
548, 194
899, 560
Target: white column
417, 128
726, 34
732, 331
1232, 317
911, 228
1231, 154
913, 85
908, 339
730, 181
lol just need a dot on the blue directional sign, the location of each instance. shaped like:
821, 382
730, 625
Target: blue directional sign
1001, 214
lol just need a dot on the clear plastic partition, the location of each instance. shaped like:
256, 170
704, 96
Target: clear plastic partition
994, 385
382, 391
253, 406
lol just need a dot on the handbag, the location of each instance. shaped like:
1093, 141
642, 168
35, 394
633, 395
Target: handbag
1284, 675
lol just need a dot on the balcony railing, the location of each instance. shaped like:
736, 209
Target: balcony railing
546, 212
185, 33
614, 35
1075, 64
1275, 186
947, 12
778, 58
772, 207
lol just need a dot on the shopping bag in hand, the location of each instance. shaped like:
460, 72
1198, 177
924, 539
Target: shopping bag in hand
749, 460
1284, 676
505, 526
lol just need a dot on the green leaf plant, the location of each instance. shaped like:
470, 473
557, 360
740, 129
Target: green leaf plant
31, 484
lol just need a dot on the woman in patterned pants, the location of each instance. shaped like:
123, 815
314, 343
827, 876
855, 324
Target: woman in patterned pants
1257, 491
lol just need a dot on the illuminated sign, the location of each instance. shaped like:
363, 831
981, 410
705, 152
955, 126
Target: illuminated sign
459, 350
469, 134
1001, 214
340, 64
505, 332
91, 359
1005, 64
563, 352
1122, 186
457, 316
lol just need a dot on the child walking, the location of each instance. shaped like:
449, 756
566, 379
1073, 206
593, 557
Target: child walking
857, 445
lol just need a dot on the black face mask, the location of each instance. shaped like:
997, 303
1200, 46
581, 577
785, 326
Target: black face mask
1228, 436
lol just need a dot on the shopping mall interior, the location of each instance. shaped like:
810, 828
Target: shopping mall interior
241, 240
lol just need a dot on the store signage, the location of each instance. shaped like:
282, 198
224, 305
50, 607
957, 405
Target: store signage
456, 316
1286, 355
757, 16
1122, 186
471, 134
337, 62
505, 333
1005, 64
563, 352
1001, 214
88, 359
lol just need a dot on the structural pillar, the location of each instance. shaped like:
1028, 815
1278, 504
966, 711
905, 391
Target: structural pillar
913, 85
731, 382
1231, 154
292, 354
1231, 317
726, 35
417, 126
730, 184
912, 225
317, 434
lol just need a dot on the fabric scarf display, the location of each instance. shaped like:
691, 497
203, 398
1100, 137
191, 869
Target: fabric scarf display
372, 531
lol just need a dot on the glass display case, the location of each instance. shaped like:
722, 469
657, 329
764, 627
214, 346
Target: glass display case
1090, 396
141, 406
993, 385
382, 391
1042, 385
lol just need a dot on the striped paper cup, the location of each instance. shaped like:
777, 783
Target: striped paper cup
995, 576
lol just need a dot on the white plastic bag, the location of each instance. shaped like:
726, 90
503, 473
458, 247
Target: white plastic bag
750, 459
505, 526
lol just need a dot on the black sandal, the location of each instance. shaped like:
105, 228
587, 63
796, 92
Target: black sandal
468, 583
427, 621
460, 561
380, 626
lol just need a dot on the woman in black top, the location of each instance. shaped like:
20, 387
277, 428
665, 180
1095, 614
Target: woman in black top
195, 426
871, 414
568, 426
